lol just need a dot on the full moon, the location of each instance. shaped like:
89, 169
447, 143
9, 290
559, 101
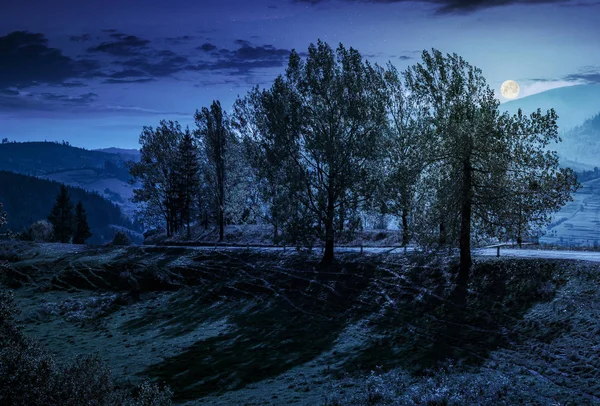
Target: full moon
510, 89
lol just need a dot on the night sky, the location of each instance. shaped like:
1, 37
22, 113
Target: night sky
94, 72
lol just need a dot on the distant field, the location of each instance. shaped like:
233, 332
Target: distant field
579, 220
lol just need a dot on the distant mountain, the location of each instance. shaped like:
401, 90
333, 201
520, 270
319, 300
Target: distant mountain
126, 154
28, 199
573, 104
582, 143
98, 171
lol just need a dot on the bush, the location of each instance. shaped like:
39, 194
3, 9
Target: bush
121, 238
41, 231
30, 376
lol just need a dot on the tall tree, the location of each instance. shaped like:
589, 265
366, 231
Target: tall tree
341, 100
406, 149
485, 160
265, 120
157, 172
213, 131
187, 173
82, 228
61, 216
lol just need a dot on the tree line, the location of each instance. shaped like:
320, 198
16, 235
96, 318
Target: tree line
335, 135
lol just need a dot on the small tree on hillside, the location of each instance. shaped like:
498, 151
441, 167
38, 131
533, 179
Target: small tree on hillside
82, 229
61, 216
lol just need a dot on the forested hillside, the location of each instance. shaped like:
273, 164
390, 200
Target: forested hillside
43, 158
28, 199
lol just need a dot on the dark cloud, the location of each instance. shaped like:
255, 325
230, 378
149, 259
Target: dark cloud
161, 67
128, 73
81, 38
27, 60
81, 99
9, 92
244, 59
587, 74
124, 81
122, 45
451, 6
180, 39
73, 84
585, 77
207, 47
404, 57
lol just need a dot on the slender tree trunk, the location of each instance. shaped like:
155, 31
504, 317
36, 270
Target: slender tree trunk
465, 231
405, 236
329, 233
442, 239
405, 212
341, 225
221, 223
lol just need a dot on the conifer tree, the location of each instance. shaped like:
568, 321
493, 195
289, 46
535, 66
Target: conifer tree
82, 228
61, 216
188, 171
2, 216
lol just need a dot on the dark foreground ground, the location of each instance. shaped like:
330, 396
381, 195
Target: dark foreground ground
271, 328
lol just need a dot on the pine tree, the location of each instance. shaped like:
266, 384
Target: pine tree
188, 170
61, 216
82, 229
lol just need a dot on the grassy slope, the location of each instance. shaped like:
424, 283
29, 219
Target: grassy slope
248, 328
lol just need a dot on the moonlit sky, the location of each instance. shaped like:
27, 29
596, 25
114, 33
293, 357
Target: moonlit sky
94, 72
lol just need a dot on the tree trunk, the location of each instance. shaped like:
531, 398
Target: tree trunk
205, 219
405, 211
341, 225
329, 234
275, 233
221, 223
442, 238
465, 231
405, 236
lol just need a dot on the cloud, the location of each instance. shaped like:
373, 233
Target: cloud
27, 60
81, 38
124, 81
179, 40
122, 45
451, 6
81, 99
587, 74
207, 47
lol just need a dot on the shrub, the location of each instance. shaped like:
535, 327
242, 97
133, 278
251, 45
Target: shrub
41, 231
30, 376
121, 238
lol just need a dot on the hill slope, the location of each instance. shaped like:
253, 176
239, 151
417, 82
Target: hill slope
28, 199
103, 172
573, 104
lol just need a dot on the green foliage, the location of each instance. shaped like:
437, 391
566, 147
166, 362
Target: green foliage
156, 170
489, 174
